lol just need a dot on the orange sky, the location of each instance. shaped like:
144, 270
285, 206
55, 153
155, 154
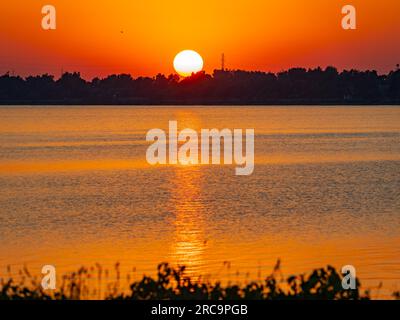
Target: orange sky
268, 35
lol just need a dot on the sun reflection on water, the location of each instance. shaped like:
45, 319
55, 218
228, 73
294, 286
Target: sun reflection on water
189, 241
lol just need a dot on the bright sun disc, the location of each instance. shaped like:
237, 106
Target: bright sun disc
187, 62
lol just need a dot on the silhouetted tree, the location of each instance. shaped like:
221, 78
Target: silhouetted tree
293, 86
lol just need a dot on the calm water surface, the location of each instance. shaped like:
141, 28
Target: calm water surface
75, 189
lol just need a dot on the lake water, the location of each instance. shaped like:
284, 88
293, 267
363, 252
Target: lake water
75, 189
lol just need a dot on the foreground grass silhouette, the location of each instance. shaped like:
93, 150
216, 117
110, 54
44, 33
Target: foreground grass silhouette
173, 284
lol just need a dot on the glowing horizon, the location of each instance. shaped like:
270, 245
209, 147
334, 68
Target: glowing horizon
142, 39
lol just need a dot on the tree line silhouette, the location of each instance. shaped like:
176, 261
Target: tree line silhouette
238, 87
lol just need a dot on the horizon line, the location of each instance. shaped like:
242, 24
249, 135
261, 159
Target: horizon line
11, 73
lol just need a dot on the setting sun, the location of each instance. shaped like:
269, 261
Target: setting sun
187, 62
